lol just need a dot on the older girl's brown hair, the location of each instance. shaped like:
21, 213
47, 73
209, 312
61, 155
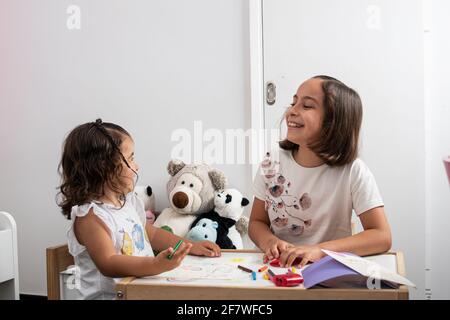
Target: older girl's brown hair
91, 160
338, 142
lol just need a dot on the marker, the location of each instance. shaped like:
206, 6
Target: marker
288, 280
271, 274
245, 269
263, 268
253, 275
170, 256
276, 262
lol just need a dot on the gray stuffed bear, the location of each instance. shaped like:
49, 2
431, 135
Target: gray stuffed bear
191, 192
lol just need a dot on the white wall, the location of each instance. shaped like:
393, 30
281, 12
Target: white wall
437, 131
151, 66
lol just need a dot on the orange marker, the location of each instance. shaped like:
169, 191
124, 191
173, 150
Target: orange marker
263, 268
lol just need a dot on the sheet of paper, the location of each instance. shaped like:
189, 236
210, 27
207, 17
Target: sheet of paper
218, 271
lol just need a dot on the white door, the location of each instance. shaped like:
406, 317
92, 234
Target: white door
376, 47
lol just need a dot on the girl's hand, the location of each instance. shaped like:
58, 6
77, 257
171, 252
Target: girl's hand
163, 263
205, 248
273, 248
307, 253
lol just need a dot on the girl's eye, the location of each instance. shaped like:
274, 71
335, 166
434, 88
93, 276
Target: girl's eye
308, 107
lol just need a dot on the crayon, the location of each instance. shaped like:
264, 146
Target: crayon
263, 268
253, 275
271, 274
170, 256
245, 269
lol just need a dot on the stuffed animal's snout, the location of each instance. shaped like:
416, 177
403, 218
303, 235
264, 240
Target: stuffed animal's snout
185, 200
180, 200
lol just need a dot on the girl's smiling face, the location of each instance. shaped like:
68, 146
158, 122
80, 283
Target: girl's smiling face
305, 116
128, 176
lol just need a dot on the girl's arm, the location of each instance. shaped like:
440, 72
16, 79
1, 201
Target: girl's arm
259, 232
94, 235
258, 229
376, 238
161, 239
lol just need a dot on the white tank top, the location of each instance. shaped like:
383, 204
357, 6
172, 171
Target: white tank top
127, 229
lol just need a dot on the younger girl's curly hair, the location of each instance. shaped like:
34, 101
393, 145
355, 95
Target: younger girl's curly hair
91, 161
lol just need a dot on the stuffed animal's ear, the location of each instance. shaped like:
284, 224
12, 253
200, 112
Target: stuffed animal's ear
149, 191
200, 217
175, 166
244, 202
218, 179
242, 225
215, 224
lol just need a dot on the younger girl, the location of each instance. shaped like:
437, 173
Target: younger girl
109, 236
305, 191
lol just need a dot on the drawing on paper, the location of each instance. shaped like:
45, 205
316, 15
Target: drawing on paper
200, 268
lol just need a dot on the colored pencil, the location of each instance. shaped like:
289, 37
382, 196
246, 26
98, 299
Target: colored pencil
170, 256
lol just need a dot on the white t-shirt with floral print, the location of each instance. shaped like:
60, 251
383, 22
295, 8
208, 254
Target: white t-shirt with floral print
313, 205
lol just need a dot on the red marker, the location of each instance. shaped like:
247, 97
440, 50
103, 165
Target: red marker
287, 280
276, 262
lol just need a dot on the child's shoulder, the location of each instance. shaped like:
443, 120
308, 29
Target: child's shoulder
357, 165
82, 210
358, 169
93, 206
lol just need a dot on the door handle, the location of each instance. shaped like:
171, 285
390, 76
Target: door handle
271, 93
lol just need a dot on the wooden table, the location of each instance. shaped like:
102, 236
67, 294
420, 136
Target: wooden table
161, 289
